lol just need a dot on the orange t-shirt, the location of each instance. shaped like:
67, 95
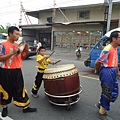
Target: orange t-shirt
109, 56
14, 61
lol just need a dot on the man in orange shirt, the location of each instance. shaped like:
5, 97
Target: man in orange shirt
107, 66
11, 78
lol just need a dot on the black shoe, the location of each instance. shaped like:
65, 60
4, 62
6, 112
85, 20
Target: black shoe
28, 109
98, 105
4, 112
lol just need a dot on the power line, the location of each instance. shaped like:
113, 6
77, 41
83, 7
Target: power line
48, 5
13, 4
16, 11
51, 5
4, 13
45, 5
8, 6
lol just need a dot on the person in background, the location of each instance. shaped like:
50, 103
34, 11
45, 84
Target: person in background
11, 78
107, 67
38, 46
42, 61
78, 51
35, 43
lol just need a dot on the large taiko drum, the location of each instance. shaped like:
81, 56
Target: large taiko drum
62, 84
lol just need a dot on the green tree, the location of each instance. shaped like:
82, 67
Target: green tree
4, 29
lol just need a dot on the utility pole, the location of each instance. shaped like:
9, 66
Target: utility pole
26, 16
20, 20
54, 12
110, 3
53, 21
22, 10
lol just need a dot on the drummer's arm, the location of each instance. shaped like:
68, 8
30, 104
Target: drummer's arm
118, 72
7, 56
51, 62
41, 60
97, 67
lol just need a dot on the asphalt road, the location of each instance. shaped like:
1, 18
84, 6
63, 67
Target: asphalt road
83, 110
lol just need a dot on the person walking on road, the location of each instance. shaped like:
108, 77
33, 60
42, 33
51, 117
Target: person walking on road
107, 67
11, 78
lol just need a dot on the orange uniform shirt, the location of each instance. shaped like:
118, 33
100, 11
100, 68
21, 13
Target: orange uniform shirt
14, 61
109, 56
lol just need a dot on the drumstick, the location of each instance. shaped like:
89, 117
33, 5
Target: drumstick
51, 53
57, 61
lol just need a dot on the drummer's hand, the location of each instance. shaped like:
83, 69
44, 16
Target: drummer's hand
95, 72
118, 75
15, 51
53, 63
46, 56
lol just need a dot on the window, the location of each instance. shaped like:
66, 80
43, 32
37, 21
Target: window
84, 14
49, 19
102, 43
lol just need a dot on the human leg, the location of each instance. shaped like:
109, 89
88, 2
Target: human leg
102, 110
109, 88
37, 83
5, 110
6, 85
20, 96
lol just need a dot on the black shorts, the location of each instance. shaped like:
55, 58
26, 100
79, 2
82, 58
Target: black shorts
12, 86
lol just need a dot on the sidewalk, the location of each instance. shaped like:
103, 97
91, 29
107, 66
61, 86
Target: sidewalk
68, 54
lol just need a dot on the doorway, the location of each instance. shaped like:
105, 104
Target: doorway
45, 39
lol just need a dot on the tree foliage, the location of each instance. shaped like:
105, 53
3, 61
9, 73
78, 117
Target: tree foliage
4, 29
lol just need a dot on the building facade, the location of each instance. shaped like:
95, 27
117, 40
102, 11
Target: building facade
64, 27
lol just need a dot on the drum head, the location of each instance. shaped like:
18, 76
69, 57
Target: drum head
60, 71
23, 49
21, 46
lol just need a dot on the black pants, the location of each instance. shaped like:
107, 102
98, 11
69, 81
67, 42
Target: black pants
12, 86
37, 83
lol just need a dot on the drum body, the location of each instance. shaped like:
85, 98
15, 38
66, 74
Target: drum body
63, 81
